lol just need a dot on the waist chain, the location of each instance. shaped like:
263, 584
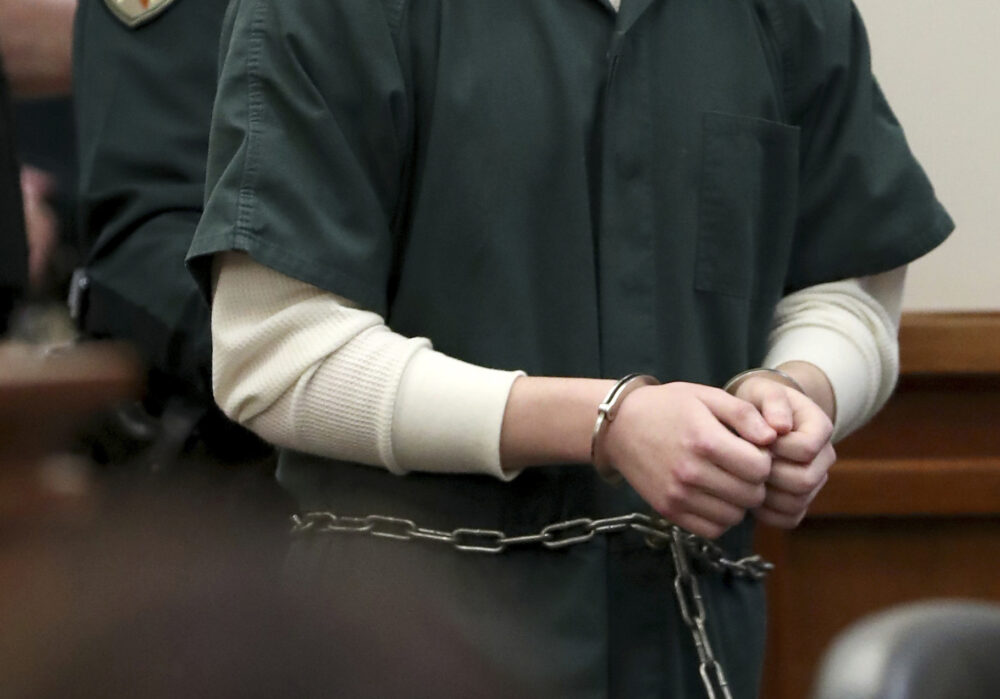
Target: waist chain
658, 533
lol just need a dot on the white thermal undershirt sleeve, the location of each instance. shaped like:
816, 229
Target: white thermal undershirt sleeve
305, 370
849, 329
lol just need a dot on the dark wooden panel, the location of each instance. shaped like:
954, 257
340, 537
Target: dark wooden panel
44, 395
950, 343
939, 417
910, 487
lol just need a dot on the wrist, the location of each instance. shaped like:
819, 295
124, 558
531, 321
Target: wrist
778, 375
814, 384
607, 411
550, 421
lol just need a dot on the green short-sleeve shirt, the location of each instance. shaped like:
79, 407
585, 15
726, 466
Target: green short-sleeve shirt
554, 187
585, 193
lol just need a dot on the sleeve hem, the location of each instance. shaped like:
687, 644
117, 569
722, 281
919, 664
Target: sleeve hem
449, 415
363, 293
897, 253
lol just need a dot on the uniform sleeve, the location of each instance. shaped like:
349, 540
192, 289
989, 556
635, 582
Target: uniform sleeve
865, 204
143, 101
308, 145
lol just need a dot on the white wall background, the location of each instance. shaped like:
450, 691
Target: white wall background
939, 64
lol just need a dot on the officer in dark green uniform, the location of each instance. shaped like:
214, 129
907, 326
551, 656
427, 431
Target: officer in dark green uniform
144, 83
553, 187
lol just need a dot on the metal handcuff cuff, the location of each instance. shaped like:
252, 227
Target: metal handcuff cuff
778, 375
609, 407
659, 533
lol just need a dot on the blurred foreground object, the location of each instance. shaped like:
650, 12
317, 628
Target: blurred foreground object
46, 394
930, 650
40, 219
119, 587
46, 147
159, 597
149, 596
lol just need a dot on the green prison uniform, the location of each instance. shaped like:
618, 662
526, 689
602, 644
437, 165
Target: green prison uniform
552, 187
143, 100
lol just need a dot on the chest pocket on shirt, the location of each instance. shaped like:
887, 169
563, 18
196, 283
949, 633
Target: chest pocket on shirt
748, 197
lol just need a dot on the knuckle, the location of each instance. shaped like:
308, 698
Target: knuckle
831, 454
758, 495
745, 411
811, 482
802, 486
814, 444
815, 491
687, 473
756, 468
800, 504
688, 443
673, 500
786, 504
676, 492
827, 428
778, 505
817, 481
665, 509
699, 442
760, 467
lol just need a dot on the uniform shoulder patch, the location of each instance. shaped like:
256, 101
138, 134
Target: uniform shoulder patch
135, 13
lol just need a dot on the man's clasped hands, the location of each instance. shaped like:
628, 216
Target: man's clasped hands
703, 458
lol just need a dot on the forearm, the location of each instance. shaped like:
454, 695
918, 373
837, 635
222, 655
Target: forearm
306, 370
36, 38
343, 385
550, 420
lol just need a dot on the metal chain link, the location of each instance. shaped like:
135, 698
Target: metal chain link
658, 532
692, 607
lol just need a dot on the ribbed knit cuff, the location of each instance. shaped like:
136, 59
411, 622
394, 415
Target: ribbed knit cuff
448, 416
853, 373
